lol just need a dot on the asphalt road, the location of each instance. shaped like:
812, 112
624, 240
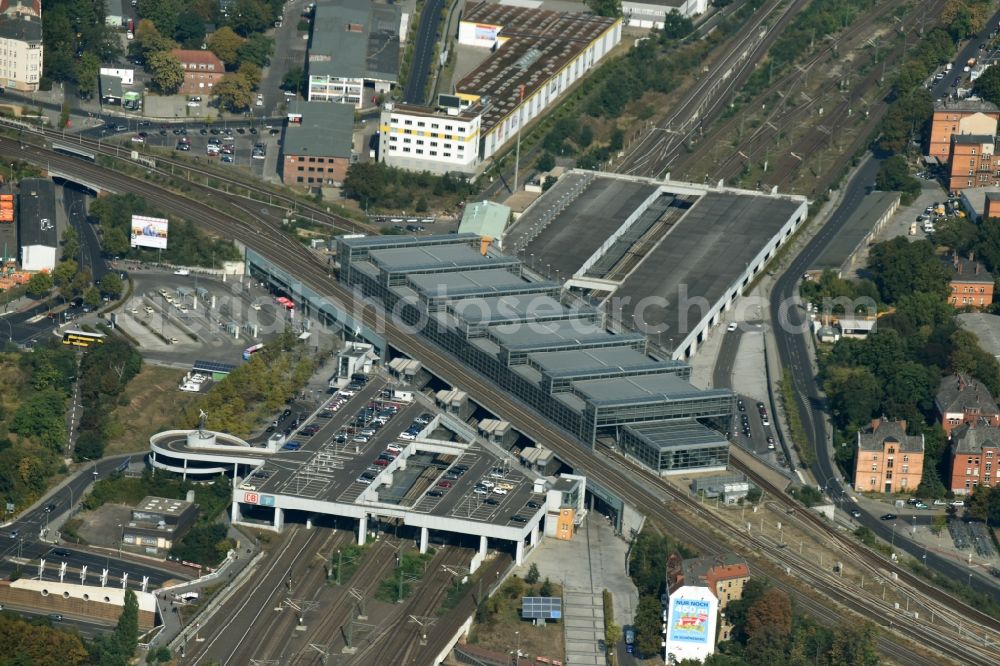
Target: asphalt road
75, 203
23, 539
423, 53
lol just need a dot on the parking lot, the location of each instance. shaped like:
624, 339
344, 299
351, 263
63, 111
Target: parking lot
361, 446
193, 316
235, 143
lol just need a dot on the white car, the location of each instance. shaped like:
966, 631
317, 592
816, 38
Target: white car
500, 491
148, 310
732, 327
395, 448
194, 104
182, 271
255, 306
480, 491
407, 436
486, 483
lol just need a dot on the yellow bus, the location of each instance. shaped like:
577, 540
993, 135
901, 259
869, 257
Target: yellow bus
82, 338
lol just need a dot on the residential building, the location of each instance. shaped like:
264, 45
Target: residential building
37, 224
963, 116
157, 523
971, 284
724, 575
700, 588
355, 45
975, 456
533, 57
202, 70
114, 13
652, 13
887, 459
973, 162
21, 44
963, 399
317, 145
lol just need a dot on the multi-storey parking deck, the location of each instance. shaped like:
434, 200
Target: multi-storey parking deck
439, 479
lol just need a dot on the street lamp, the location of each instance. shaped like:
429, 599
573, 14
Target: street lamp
894, 537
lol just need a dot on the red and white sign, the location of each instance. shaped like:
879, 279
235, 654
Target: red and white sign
250, 498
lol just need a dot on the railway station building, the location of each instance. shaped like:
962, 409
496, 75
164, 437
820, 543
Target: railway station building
555, 354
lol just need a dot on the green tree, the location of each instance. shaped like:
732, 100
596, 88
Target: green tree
987, 85
546, 589
532, 576
257, 49
546, 162
894, 175
676, 25
648, 626
92, 297
39, 285
610, 8
64, 273
167, 72
251, 73
149, 40
111, 284
900, 267
295, 79
225, 44
234, 93
853, 395
190, 30
768, 627
162, 13
43, 418
88, 68
71, 245
249, 17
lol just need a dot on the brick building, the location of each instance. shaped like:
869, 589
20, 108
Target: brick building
725, 575
318, 144
887, 459
962, 399
964, 116
973, 162
975, 454
971, 284
202, 70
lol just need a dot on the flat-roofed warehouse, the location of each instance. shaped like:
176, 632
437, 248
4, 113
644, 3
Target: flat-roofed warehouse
520, 331
664, 258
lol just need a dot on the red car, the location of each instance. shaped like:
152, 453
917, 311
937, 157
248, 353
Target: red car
381, 463
444, 484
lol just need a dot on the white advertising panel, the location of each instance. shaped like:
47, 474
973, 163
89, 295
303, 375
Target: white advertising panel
149, 232
691, 622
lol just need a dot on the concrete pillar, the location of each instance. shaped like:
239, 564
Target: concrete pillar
519, 553
184, 476
482, 546
279, 519
534, 535
235, 514
309, 523
362, 530
424, 533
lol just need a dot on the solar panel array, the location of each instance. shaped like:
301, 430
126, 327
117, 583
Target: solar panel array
541, 608
213, 366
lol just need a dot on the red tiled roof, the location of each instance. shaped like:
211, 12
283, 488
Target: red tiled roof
197, 57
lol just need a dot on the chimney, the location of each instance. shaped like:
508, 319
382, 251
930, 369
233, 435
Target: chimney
875, 424
954, 260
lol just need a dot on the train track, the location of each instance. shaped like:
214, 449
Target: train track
639, 488
654, 154
254, 600
165, 165
377, 563
421, 605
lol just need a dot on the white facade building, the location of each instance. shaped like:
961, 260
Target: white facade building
535, 56
651, 13
21, 45
422, 139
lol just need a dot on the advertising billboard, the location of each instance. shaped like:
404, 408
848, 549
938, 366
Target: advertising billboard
486, 33
149, 232
691, 622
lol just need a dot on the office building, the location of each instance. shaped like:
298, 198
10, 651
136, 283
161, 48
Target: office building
318, 144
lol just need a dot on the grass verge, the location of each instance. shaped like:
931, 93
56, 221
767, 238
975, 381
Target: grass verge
794, 420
